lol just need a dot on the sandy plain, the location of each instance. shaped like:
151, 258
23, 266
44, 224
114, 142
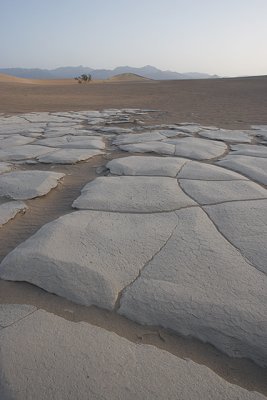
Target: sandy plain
226, 103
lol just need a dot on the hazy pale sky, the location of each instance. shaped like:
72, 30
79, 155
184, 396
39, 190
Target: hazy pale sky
224, 37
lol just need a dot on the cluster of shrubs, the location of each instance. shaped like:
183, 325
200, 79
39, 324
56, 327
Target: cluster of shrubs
83, 78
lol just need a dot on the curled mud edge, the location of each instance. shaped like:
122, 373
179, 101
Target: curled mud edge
58, 202
240, 372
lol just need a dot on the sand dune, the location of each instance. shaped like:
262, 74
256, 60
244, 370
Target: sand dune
13, 79
128, 77
9, 79
48, 82
44, 82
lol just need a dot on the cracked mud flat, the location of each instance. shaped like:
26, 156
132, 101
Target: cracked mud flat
167, 249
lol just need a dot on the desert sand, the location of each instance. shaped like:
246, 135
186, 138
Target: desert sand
227, 103
146, 224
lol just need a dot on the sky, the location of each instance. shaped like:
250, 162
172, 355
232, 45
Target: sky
223, 37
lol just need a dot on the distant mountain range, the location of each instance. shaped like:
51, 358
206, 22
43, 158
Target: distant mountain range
71, 72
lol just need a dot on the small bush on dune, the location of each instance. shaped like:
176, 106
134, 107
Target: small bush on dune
84, 78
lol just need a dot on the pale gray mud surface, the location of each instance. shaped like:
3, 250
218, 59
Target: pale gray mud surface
148, 257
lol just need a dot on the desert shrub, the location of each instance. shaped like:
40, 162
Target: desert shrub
84, 78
